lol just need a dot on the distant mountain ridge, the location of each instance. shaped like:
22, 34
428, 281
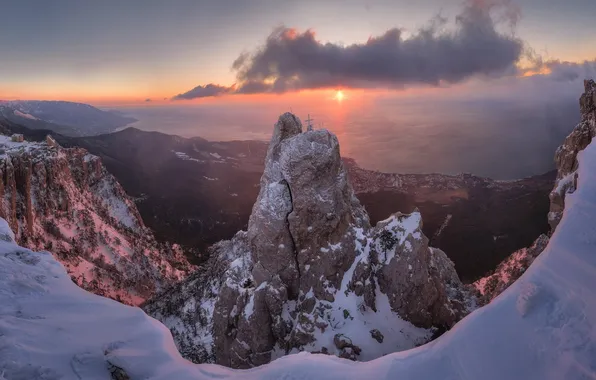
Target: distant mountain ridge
67, 118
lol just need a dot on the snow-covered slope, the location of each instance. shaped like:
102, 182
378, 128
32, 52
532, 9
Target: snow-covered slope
51, 329
542, 327
64, 200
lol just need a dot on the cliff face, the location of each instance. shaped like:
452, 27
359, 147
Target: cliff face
566, 159
64, 200
311, 273
509, 270
566, 155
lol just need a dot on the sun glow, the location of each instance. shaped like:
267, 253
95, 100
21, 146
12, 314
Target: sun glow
339, 96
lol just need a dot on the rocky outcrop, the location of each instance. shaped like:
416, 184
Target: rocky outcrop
311, 272
509, 271
566, 155
64, 201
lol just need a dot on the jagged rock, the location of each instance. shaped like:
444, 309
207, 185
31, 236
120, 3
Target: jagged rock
566, 154
341, 341
65, 201
310, 267
305, 203
348, 353
376, 335
347, 349
509, 270
117, 373
404, 277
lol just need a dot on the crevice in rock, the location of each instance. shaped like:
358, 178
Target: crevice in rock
294, 248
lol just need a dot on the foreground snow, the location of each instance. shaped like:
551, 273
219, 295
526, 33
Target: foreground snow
542, 327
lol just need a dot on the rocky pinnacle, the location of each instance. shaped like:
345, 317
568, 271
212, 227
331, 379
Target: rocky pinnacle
311, 271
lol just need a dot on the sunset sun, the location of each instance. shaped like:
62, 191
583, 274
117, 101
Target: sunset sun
339, 95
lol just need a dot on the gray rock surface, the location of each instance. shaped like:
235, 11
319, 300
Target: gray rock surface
376, 334
566, 155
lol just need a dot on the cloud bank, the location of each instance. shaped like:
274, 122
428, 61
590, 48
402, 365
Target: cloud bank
290, 60
480, 43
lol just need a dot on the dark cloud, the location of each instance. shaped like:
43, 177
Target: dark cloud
204, 91
481, 43
290, 60
148, 99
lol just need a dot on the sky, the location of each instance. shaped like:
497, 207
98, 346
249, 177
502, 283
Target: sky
163, 51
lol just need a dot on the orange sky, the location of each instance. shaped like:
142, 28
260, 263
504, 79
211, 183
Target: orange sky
137, 50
